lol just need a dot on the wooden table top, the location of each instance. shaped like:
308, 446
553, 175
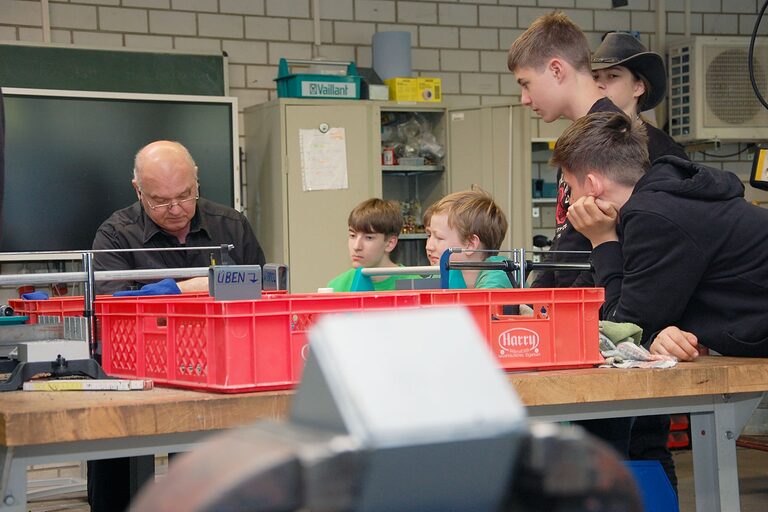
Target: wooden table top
30, 418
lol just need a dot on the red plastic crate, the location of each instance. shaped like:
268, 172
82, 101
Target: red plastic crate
679, 422
235, 346
228, 346
678, 439
55, 306
562, 333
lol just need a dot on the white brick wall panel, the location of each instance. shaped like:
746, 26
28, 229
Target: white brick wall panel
480, 83
148, 42
611, 20
99, 2
122, 20
195, 5
170, 22
493, 16
422, 13
375, 10
197, 44
338, 52
354, 33
740, 6
676, 25
721, 24
517, 2
644, 21
364, 56
266, 28
397, 27
493, 100
296, 9
708, 6
459, 60
450, 82
506, 37
493, 62
73, 16
242, 7
245, 52
337, 9
156, 4
422, 59
747, 25
508, 85
61, 36
641, 5
556, 4
97, 39
593, 4
30, 35
261, 77
236, 74
249, 97
302, 31
480, 38
439, 37
9, 34
526, 15
289, 51
220, 25
456, 14
458, 101
583, 18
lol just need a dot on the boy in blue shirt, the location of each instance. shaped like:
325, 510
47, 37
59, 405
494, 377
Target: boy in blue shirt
374, 226
472, 221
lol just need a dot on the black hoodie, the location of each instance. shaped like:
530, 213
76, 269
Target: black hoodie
692, 253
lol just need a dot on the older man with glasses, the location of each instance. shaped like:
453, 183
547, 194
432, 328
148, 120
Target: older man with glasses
170, 213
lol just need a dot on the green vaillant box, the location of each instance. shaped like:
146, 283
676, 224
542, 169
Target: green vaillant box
331, 83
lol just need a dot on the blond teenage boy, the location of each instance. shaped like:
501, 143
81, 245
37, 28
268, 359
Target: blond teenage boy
551, 62
472, 221
374, 226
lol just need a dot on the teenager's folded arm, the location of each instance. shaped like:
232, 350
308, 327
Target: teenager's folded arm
661, 269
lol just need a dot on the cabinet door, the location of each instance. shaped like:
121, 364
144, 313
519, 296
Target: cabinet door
317, 220
490, 147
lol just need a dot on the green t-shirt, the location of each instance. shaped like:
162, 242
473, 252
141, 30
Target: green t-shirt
493, 278
343, 282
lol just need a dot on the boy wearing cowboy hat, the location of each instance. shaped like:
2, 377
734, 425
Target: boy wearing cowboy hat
636, 81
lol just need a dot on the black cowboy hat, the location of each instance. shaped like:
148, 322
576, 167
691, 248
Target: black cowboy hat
623, 49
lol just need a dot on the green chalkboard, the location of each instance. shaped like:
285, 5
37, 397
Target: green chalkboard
55, 67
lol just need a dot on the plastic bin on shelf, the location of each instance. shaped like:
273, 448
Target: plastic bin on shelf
237, 346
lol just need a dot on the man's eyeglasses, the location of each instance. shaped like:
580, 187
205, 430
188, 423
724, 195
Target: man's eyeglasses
170, 205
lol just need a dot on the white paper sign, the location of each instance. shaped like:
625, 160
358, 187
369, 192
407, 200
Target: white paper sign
323, 159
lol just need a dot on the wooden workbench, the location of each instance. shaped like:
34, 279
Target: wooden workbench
719, 392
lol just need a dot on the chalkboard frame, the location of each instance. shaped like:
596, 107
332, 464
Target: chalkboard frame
232, 103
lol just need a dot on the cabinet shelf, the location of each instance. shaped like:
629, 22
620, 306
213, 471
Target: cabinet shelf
544, 200
408, 169
412, 236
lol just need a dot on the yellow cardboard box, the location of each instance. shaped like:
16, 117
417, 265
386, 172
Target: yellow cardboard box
415, 89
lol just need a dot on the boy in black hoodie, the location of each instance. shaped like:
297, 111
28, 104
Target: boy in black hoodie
678, 250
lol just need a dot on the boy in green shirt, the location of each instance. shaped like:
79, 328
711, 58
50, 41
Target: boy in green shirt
473, 221
374, 226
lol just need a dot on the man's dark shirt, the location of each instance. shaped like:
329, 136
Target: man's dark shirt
212, 225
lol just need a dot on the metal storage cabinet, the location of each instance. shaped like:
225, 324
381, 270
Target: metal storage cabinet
307, 230
490, 146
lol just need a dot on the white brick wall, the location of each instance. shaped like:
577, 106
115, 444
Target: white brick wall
463, 42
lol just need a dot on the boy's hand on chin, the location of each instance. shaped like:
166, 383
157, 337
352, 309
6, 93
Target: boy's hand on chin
594, 218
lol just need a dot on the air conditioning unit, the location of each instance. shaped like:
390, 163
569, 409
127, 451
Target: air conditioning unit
710, 94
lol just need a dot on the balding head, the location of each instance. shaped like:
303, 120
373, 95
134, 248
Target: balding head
160, 158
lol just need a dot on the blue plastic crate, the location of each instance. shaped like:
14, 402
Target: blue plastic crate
655, 490
318, 86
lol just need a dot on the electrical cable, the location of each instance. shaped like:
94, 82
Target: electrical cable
746, 148
752, 54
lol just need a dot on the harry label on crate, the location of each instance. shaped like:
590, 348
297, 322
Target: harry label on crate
169, 212
677, 248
